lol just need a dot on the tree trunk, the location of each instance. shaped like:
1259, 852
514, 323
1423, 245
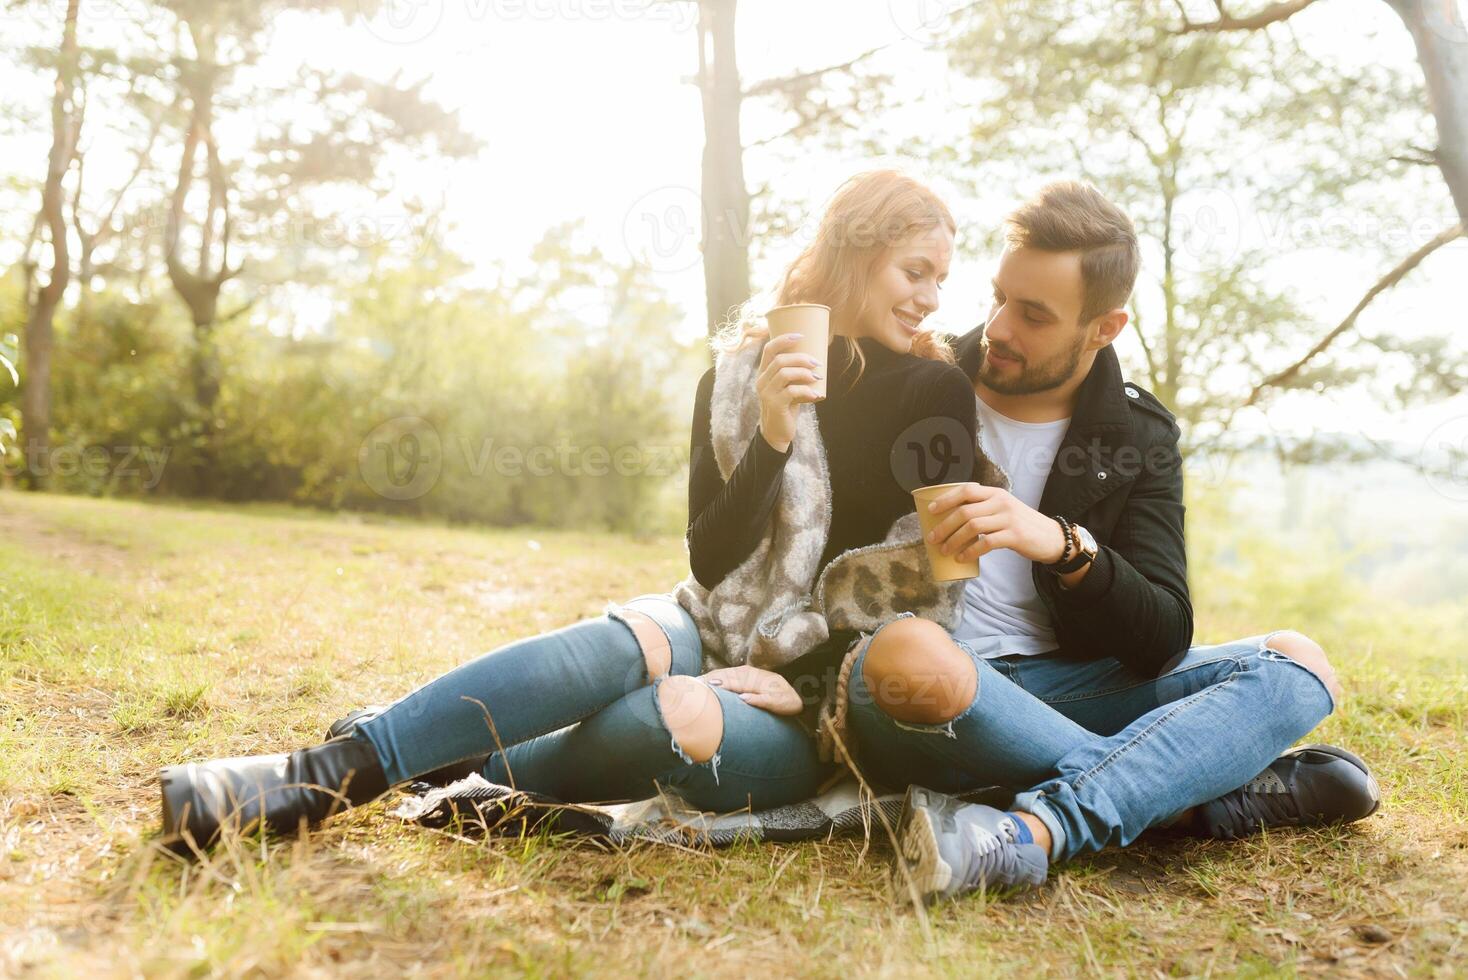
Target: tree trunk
725, 197
1442, 50
39, 328
199, 287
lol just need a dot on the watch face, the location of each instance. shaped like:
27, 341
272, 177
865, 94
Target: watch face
1088, 543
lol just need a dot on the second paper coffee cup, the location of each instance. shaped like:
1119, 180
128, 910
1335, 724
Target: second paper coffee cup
946, 568
813, 322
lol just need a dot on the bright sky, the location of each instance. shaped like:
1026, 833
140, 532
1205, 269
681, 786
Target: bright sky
586, 115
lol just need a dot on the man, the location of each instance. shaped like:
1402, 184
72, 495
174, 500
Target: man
1071, 675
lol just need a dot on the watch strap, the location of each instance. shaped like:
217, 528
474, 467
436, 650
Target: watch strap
1073, 559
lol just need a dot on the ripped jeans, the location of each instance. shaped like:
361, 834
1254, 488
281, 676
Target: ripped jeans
579, 720
1098, 752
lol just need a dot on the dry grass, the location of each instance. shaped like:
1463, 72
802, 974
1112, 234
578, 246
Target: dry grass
133, 636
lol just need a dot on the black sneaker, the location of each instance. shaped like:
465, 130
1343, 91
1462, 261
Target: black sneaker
1307, 786
954, 847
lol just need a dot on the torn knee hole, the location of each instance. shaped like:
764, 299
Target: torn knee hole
915, 673
651, 640
1307, 653
693, 716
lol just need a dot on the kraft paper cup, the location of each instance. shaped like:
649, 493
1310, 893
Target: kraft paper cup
946, 568
813, 322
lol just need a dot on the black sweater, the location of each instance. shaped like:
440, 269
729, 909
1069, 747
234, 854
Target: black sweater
906, 422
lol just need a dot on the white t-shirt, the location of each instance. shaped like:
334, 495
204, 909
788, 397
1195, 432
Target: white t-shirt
1001, 606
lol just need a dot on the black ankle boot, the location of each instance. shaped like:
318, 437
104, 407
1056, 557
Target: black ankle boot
276, 791
451, 773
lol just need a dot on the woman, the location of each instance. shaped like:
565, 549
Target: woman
802, 534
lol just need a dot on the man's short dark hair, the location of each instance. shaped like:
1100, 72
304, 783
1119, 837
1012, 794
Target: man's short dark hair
1069, 216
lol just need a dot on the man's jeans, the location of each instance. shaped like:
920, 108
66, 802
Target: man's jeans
1099, 752
579, 721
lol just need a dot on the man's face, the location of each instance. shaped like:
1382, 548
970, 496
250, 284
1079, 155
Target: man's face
1033, 340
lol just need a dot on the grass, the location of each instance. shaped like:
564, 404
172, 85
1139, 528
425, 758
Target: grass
137, 635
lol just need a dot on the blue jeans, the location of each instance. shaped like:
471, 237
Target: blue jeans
1100, 752
578, 720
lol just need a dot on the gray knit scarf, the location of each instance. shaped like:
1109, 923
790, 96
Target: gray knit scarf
773, 608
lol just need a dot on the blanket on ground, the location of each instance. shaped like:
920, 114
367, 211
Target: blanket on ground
474, 806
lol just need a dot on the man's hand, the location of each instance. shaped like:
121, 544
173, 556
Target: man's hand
761, 688
978, 519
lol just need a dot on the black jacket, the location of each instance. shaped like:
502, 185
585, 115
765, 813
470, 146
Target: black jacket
1117, 473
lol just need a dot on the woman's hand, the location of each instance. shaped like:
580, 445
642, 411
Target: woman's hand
761, 688
784, 384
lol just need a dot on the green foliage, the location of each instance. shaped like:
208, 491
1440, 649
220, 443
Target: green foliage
557, 400
1233, 154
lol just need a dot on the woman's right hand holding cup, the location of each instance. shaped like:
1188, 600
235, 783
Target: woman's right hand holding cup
785, 382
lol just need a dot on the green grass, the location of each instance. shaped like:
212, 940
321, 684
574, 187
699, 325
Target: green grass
137, 635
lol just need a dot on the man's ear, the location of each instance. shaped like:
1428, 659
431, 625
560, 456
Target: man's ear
1107, 327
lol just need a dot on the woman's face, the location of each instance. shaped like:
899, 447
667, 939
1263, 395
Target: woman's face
904, 288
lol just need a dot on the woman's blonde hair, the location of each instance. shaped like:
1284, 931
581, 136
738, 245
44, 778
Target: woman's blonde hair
869, 214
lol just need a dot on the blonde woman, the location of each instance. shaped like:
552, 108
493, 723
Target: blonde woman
801, 536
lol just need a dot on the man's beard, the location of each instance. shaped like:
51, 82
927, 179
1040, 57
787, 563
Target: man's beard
1033, 378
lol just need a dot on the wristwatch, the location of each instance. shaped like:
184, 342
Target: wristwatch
1085, 550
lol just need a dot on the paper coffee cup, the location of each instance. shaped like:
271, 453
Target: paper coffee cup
813, 322
946, 568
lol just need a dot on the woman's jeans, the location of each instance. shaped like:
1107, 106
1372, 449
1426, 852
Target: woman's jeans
1100, 752
577, 718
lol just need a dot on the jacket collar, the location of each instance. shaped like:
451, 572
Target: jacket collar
1101, 402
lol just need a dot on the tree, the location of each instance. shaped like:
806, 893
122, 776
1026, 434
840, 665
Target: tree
360, 121
39, 328
726, 199
725, 195
1441, 38
1193, 134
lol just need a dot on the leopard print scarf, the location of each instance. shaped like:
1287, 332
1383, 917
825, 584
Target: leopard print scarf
773, 608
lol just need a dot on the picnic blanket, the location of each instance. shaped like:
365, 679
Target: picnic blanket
474, 806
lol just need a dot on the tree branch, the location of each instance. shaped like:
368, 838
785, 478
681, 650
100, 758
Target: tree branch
1382, 285
1272, 14
805, 79
1146, 351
